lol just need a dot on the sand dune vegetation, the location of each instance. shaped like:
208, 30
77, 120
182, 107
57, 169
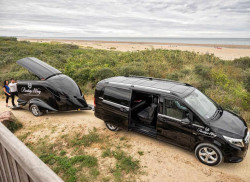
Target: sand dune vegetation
227, 82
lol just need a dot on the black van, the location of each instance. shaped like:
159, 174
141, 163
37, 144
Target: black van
173, 112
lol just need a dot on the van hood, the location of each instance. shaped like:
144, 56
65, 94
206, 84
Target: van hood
38, 67
229, 124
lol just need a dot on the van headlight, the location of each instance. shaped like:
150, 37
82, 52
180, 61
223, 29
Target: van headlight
235, 141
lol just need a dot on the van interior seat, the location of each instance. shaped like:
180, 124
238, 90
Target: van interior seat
139, 105
147, 115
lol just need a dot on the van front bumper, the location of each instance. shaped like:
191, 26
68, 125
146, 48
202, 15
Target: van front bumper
235, 154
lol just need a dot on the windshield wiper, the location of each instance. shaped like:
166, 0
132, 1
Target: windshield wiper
215, 114
218, 111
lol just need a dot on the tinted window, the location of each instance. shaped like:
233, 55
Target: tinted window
201, 103
117, 95
175, 109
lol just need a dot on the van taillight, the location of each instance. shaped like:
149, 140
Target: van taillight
94, 102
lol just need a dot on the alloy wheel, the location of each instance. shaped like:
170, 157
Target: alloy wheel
34, 111
111, 127
208, 155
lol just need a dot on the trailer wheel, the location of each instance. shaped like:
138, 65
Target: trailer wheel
111, 127
35, 110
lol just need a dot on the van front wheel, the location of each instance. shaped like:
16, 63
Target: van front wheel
208, 154
112, 127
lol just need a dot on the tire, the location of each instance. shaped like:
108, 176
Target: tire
34, 109
111, 127
208, 154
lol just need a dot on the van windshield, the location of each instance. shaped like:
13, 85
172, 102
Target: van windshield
201, 103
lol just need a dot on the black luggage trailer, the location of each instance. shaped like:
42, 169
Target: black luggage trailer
54, 91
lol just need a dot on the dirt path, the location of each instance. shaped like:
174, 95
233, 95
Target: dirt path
160, 162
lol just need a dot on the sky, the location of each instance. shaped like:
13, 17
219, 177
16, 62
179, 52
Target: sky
125, 18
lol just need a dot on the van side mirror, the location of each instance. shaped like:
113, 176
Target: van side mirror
185, 121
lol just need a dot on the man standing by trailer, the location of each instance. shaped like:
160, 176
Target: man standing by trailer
13, 91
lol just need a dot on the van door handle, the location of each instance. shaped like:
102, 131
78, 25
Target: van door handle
100, 98
123, 109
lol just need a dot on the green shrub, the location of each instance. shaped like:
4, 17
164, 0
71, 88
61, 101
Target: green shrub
102, 74
128, 164
107, 153
185, 72
173, 76
131, 70
140, 153
205, 84
8, 39
82, 76
243, 62
87, 140
67, 166
246, 80
85, 160
14, 126
94, 172
202, 71
70, 46
62, 153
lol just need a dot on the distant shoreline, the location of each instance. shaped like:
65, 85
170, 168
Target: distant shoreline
146, 43
225, 52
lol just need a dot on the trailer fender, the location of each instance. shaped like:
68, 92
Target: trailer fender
41, 104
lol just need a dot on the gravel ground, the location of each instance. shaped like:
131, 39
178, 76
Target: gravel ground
160, 161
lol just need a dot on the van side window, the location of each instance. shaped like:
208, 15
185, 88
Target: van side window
175, 109
117, 95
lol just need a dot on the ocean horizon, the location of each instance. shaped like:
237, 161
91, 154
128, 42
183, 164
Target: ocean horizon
225, 41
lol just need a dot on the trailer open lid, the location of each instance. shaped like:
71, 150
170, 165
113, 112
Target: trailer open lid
38, 67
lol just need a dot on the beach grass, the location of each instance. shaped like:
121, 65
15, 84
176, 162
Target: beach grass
73, 161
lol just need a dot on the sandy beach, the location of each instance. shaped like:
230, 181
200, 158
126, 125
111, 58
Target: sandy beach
225, 52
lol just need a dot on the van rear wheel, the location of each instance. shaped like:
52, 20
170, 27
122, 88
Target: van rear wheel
112, 127
208, 154
35, 110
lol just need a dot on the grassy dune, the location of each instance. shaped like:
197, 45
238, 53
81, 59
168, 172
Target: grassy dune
227, 82
70, 157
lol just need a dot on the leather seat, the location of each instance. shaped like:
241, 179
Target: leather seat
147, 115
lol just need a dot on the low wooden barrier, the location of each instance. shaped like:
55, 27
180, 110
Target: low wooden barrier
19, 164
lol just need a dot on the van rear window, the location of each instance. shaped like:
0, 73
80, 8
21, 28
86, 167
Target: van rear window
117, 95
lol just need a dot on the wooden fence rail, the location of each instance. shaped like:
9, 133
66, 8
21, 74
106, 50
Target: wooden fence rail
19, 164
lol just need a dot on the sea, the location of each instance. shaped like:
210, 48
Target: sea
227, 41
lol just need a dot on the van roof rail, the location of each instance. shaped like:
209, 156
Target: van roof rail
161, 79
